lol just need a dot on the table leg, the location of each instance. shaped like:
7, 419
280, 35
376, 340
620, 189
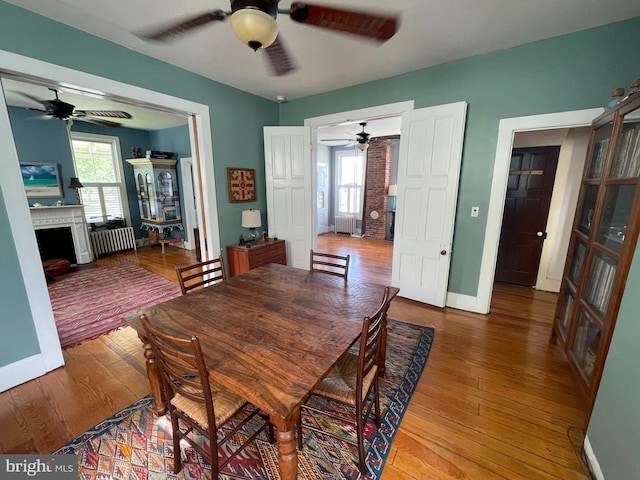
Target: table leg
155, 382
287, 454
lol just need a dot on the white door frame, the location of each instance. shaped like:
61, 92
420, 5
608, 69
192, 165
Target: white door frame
18, 208
324, 227
379, 111
507, 129
189, 201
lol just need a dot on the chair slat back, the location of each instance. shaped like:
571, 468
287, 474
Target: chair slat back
201, 274
181, 365
329, 263
370, 340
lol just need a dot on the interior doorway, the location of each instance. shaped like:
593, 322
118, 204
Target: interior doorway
339, 190
18, 214
531, 175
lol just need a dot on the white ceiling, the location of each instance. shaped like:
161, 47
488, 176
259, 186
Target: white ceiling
431, 32
143, 118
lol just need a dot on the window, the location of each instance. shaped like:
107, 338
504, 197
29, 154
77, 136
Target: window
99, 168
349, 180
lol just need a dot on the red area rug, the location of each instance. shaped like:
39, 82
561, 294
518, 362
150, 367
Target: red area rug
90, 303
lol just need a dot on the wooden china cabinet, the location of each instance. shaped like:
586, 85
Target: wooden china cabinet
603, 240
158, 196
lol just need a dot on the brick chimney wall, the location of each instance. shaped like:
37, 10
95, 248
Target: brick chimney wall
376, 183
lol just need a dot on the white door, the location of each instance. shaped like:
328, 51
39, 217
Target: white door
323, 198
428, 173
288, 178
189, 199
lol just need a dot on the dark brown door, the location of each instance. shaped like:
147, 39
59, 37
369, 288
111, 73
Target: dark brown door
531, 175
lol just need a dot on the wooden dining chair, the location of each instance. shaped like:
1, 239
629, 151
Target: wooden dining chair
354, 380
196, 403
329, 263
201, 274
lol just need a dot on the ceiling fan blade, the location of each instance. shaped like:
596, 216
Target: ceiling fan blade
377, 27
97, 121
102, 113
280, 61
338, 142
37, 110
170, 32
44, 103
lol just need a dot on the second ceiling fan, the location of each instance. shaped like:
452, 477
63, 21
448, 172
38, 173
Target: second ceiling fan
65, 111
254, 23
361, 140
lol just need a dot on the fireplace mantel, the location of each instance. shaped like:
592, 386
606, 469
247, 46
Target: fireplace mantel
71, 216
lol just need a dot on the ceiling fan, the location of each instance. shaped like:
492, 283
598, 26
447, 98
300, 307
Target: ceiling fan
361, 140
254, 23
65, 111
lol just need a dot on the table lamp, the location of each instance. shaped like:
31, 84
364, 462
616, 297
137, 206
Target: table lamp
392, 193
251, 220
74, 182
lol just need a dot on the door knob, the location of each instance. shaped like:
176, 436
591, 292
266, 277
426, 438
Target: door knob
542, 235
443, 252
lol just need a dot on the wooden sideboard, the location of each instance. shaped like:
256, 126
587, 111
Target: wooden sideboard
242, 259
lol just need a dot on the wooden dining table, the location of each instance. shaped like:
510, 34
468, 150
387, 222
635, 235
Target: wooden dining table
270, 335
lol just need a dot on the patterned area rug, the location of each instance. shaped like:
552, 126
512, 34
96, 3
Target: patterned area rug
135, 444
90, 303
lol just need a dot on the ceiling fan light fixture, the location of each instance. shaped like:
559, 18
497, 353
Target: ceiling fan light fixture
362, 146
254, 27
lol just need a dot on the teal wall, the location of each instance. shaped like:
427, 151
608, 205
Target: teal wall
18, 339
43, 141
571, 72
614, 428
236, 127
174, 140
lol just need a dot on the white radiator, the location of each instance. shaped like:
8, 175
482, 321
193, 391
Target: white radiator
115, 240
346, 224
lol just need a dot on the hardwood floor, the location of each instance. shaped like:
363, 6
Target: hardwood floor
495, 401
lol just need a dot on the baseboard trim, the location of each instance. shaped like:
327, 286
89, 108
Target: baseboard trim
21, 371
593, 461
464, 302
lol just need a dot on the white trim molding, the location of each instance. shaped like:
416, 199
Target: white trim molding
22, 371
506, 131
463, 302
593, 461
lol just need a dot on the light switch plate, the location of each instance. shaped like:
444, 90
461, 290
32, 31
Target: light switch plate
474, 211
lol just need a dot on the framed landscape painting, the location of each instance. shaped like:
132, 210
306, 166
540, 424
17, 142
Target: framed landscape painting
41, 180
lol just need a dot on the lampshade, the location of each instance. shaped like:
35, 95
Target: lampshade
251, 218
393, 190
362, 146
74, 182
254, 27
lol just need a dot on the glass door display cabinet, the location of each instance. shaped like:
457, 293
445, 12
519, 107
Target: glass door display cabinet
158, 196
604, 236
